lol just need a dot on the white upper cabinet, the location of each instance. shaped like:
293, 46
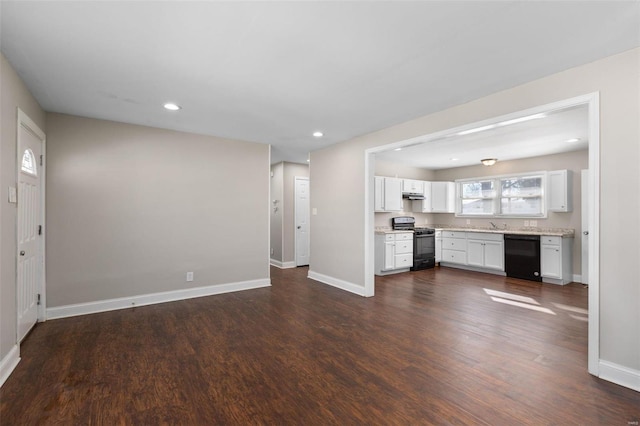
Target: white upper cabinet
387, 194
439, 197
411, 186
443, 197
560, 185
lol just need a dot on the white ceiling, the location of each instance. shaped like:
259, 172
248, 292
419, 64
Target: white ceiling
546, 135
274, 72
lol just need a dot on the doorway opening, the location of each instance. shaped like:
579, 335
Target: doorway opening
442, 138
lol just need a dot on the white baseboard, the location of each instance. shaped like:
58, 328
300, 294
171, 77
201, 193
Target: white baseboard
151, 299
623, 376
9, 363
335, 282
577, 278
282, 265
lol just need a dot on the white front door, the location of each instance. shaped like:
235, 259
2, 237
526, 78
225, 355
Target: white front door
30, 247
302, 220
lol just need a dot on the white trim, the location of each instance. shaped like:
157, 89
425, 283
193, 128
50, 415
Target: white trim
577, 278
593, 102
338, 283
9, 363
593, 357
369, 221
283, 265
152, 299
269, 214
620, 375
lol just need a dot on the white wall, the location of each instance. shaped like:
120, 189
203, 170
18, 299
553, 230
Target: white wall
131, 209
337, 188
13, 94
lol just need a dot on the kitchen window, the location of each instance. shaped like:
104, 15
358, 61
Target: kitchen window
506, 196
477, 197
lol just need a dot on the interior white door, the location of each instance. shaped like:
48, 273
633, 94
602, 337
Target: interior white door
302, 221
29, 224
584, 190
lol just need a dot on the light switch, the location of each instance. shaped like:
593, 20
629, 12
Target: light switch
314, 211
13, 194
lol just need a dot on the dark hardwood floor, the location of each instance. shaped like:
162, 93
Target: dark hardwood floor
439, 346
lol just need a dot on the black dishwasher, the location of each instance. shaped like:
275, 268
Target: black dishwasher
522, 256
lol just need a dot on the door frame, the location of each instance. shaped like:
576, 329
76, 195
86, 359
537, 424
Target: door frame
23, 120
295, 216
592, 100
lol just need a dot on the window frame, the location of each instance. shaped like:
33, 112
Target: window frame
496, 206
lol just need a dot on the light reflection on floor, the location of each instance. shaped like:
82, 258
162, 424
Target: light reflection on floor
530, 303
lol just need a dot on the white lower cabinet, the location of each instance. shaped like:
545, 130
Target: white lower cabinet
485, 250
454, 247
438, 238
394, 252
556, 259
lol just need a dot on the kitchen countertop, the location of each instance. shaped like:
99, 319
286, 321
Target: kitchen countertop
556, 232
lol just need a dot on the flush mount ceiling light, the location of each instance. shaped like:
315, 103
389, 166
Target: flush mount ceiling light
398, 149
454, 159
574, 140
317, 134
489, 161
172, 107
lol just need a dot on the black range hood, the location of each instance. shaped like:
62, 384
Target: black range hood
413, 196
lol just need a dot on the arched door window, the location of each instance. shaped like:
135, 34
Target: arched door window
29, 163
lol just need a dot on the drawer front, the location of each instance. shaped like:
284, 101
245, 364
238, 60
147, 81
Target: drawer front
389, 237
454, 256
547, 239
485, 236
454, 234
438, 233
404, 260
403, 247
454, 244
404, 236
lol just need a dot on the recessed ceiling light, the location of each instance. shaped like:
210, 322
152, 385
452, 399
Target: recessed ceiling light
317, 134
172, 107
574, 140
454, 159
398, 149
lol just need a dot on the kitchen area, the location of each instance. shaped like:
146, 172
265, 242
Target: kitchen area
520, 213
526, 252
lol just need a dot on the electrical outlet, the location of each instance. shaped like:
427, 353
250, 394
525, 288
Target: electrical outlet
533, 222
272, 250
189, 276
526, 223
468, 221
